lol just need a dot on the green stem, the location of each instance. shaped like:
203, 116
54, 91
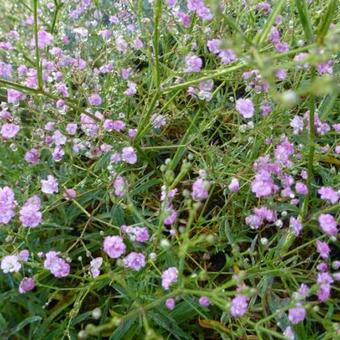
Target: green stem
310, 170
157, 16
55, 16
37, 52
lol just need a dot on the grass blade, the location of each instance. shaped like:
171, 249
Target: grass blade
305, 19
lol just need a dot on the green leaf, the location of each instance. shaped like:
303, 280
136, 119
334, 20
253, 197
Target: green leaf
262, 35
24, 323
305, 19
326, 20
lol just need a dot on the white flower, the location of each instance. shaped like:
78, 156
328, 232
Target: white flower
10, 264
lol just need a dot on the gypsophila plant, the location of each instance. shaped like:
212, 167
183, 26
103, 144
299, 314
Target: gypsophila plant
169, 169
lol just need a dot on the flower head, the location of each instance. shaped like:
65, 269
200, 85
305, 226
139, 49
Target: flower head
239, 305
134, 261
26, 284
245, 107
50, 185
114, 246
169, 277
56, 265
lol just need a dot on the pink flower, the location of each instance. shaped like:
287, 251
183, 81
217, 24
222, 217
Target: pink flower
239, 305
193, 63
7, 205
204, 301
200, 189
70, 194
56, 265
131, 90
296, 315
171, 215
301, 188
95, 99
234, 185
114, 246
129, 155
214, 46
245, 107
281, 74
44, 39
169, 277
27, 284
139, 234
24, 255
328, 224
323, 249
5, 70
71, 128
95, 265
296, 225
329, 194
227, 56
120, 186
170, 303
9, 130
30, 216
134, 261
32, 156
50, 185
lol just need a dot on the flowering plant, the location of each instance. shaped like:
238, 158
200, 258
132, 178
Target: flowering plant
169, 169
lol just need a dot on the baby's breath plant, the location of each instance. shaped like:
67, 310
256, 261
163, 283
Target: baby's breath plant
169, 169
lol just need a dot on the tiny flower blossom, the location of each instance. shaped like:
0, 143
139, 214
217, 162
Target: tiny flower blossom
296, 225
204, 301
328, 224
158, 121
30, 216
50, 185
134, 261
131, 90
7, 205
129, 155
95, 265
95, 99
171, 215
323, 249
56, 265
114, 246
234, 185
170, 303
70, 194
32, 156
289, 333
200, 189
138, 234
245, 107
24, 255
9, 130
296, 315
44, 39
328, 194
120, 186
26, 284
71, 128
169, 277
193, 64
301, 188
10, 264
239, 305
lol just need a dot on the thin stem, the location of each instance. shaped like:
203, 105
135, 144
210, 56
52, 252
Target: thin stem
37, 52
310, 170
157, 16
